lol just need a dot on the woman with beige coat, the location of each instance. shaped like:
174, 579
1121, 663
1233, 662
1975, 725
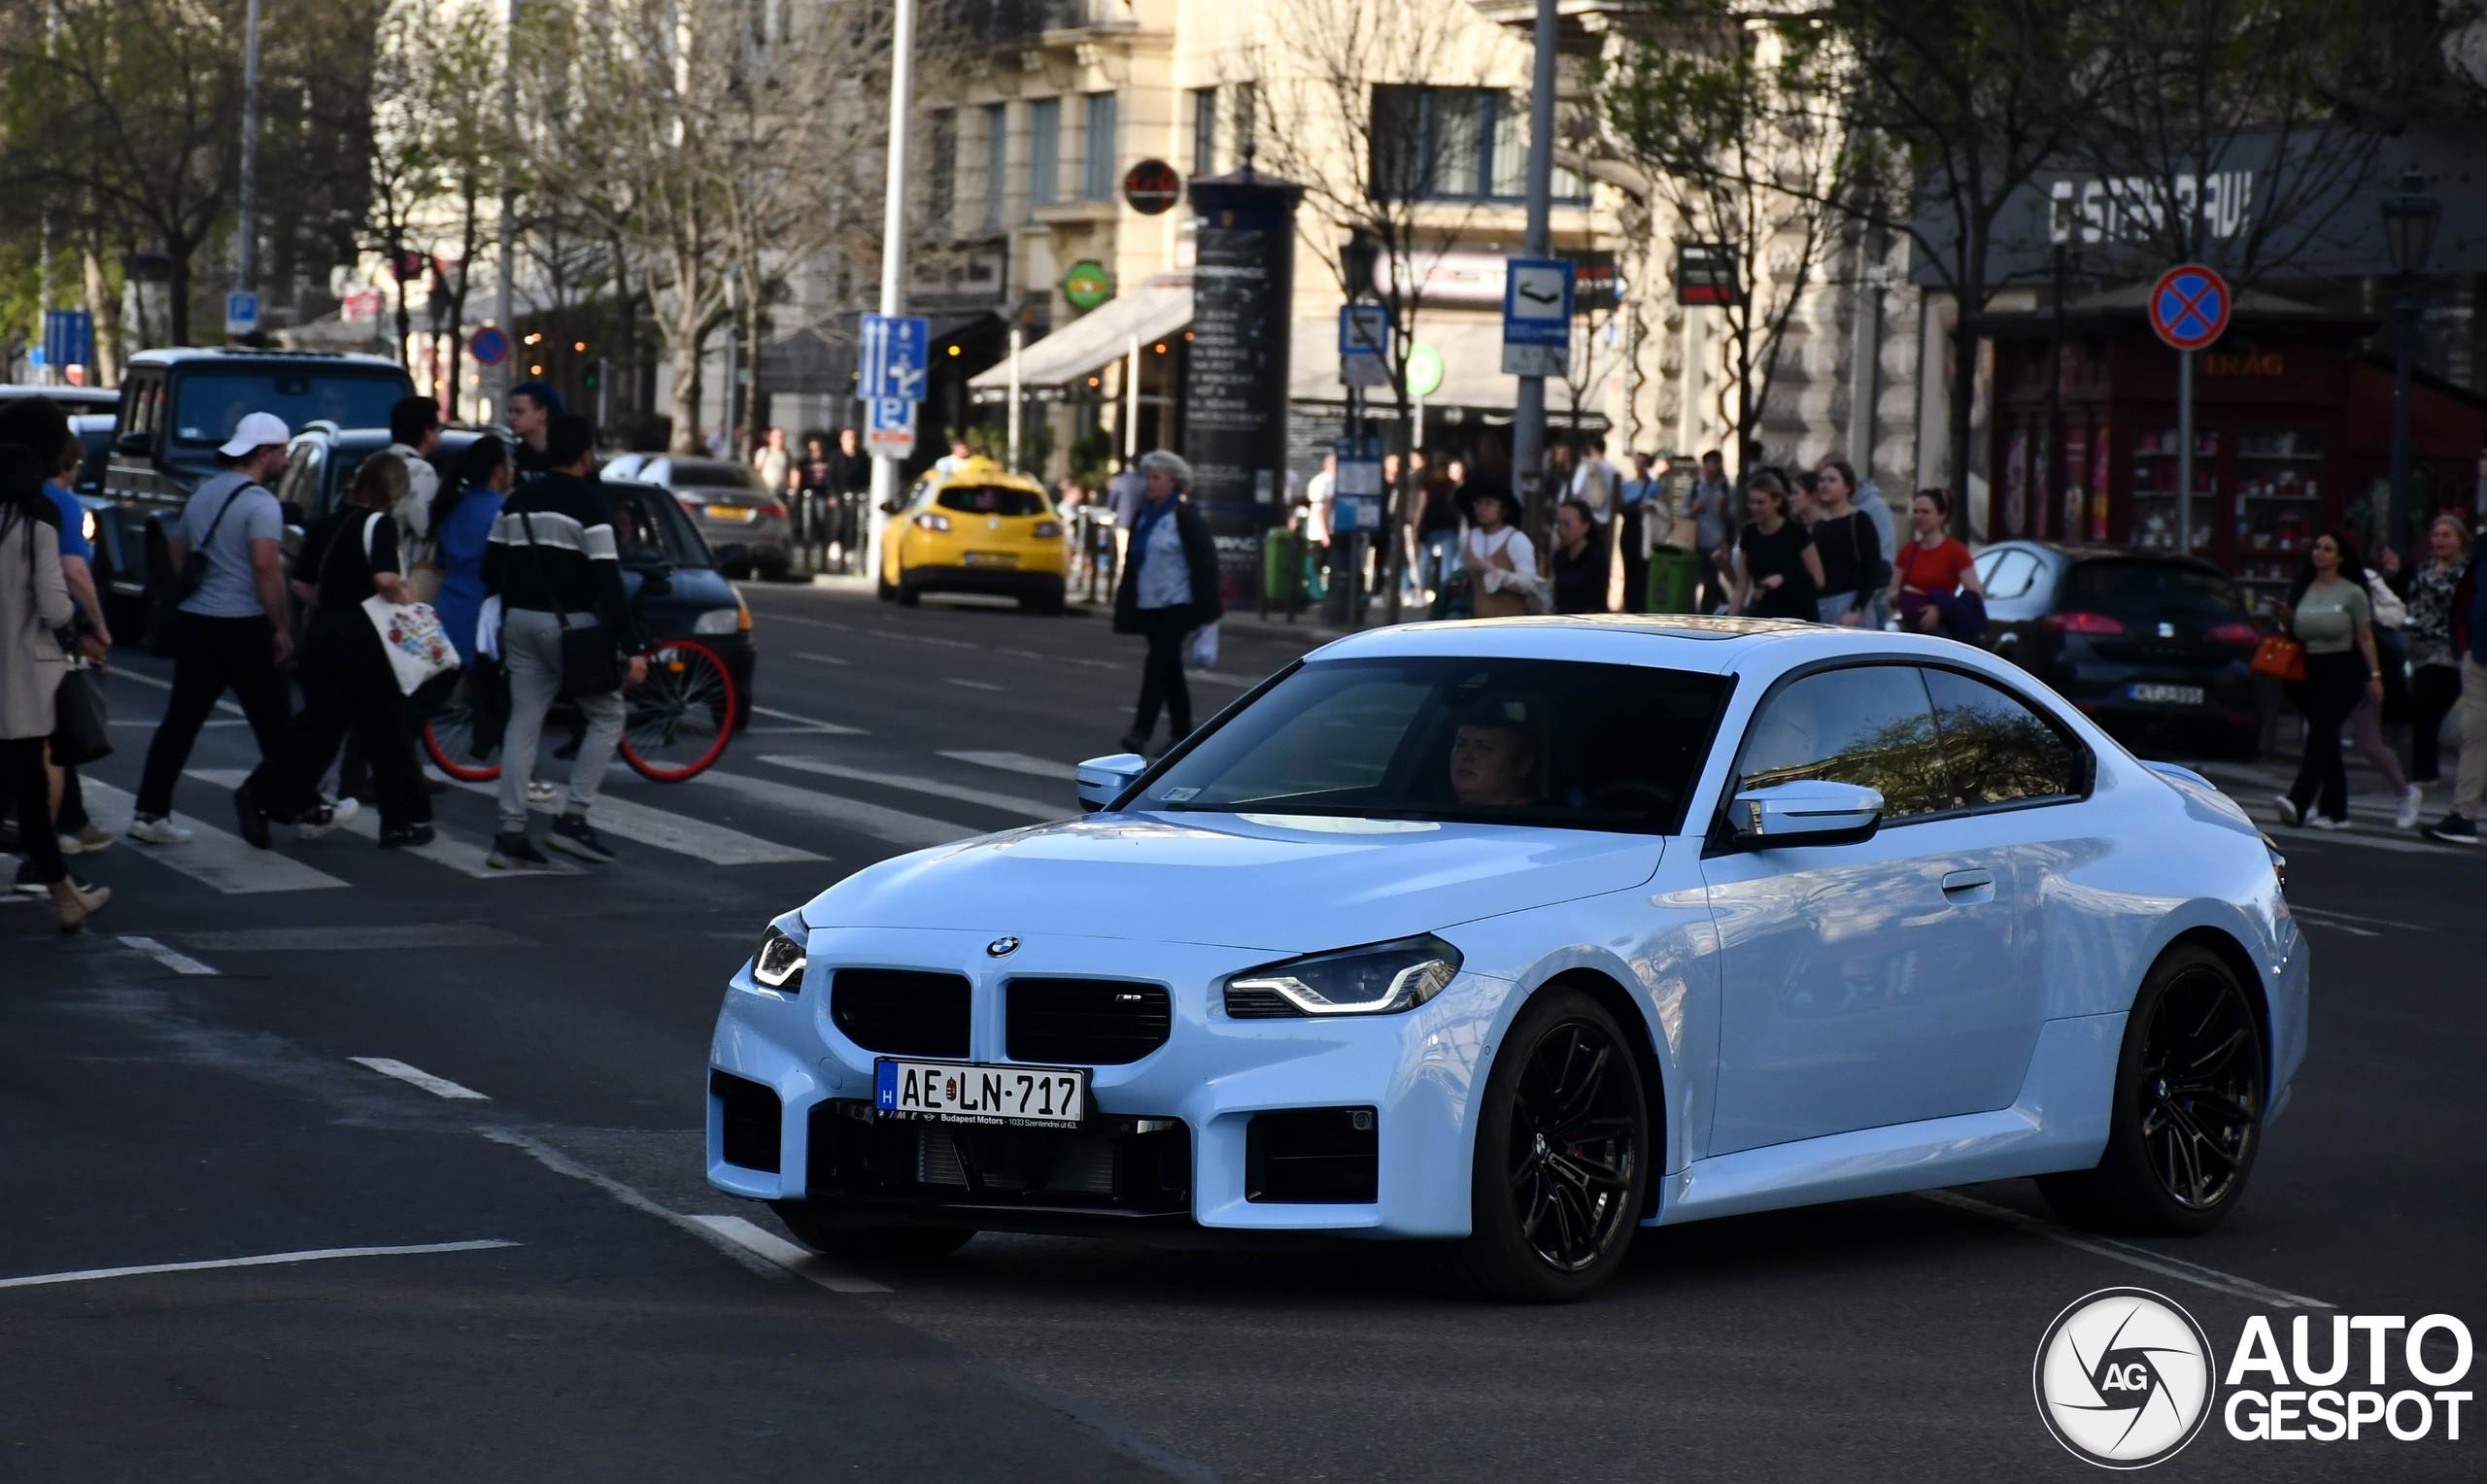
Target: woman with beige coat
34, 606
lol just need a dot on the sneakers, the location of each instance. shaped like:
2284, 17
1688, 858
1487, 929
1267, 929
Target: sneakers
510, 852
156, 829
406, 836
2453, 830
2406, 816
2290, 813
571, 836
251, 818
318, 820
76, 901
90, 839
2327, 822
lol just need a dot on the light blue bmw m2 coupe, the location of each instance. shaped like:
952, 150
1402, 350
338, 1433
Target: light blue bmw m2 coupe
1506, 938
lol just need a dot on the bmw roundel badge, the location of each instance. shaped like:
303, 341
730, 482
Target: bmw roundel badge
1001, 948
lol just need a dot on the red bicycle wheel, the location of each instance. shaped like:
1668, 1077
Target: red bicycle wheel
679, 721
449, 735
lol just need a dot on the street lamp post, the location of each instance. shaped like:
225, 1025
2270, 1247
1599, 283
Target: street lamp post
885, 469
1356, 263
2409, 220
245, 237
1528, 415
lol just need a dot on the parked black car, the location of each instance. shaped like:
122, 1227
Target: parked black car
674, 578
176, 406
2150, 645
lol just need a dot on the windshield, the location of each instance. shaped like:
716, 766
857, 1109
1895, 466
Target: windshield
649, 528
991, 500
1542, 742
207, 405
716, 474
2150, 587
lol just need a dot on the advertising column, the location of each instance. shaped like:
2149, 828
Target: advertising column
1235, 375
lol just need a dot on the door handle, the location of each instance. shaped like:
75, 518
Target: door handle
1958, 882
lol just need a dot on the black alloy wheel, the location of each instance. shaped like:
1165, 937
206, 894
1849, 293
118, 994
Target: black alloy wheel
2189, 1106
1562, 1160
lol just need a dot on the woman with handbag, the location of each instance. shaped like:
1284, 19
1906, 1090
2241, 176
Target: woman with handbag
1498, 562
34, 606
2332, 616
347, 682
1169, 587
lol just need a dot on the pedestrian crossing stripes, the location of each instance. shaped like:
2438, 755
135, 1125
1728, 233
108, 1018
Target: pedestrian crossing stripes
895, 826
1017, 763
221, 861
456, 851
1008, 803
699, 839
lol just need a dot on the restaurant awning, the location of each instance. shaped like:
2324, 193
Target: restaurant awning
1068, 356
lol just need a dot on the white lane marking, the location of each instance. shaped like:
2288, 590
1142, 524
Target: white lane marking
821, 659
1018, 762
224, 861
1009, 803
2320, 837
2317, 919
561, 1164
119, 673
786, 1255
666, 830
774, 617
270, 1260
438, 1087
892, 633
178, 963
448, 849
372, 938
1093, 665
2132, 1257
896, 825
810, 724
976, 685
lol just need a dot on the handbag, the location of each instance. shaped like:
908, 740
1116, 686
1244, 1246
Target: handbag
590, 664
410, 633
81, 720
2280, 657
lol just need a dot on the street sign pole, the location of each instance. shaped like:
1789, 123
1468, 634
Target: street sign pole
2185, 453
1528, 420
2188, 308
894, 241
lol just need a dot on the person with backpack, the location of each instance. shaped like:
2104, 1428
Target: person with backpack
348, 683
232, 628
565, 619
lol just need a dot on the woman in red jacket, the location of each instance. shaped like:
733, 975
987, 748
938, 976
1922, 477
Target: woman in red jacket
1930, 562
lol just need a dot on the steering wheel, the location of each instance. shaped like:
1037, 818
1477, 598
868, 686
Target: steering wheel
1618, 794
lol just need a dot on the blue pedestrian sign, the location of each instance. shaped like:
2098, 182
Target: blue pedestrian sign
893, 357
1537, 316
68, 338
241, 313
1364, 334
888, 426
2188, 306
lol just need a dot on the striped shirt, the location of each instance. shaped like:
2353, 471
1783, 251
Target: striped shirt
574, 565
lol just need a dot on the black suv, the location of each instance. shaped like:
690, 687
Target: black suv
177, 405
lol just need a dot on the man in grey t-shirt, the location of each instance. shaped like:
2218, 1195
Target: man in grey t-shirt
234, 631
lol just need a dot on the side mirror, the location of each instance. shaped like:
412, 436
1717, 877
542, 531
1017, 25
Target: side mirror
889, 507
1809, 811
1100, 779
134, 444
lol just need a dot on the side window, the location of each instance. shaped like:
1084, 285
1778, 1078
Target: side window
1998, 750
2009, 575
1870, 724
300, 487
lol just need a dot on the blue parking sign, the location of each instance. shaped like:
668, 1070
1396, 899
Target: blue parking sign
893, 356
889, 427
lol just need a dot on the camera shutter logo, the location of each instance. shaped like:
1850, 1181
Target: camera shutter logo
2124, 1378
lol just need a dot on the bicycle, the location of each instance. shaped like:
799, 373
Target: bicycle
675, 725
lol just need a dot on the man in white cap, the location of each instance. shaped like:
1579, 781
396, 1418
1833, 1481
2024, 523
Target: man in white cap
234, 631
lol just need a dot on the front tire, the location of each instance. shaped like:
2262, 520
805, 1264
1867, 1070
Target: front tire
1563, 1157
903, 1244
2188, 1101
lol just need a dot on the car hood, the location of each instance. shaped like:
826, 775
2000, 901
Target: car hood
1276, 883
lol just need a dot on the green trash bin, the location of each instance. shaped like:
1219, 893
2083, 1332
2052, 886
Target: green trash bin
1278, 564
1672, 573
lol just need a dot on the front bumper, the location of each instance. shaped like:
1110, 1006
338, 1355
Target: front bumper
1011, 582
1178, 1121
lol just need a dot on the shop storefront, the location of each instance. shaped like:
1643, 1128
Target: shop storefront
2292, 427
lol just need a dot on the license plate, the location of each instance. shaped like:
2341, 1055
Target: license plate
732, 513
992, 558
972, 1092
2168, 695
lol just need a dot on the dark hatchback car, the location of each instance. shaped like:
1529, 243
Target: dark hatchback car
2153, 647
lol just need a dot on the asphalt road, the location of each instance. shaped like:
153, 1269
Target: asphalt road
193, 1098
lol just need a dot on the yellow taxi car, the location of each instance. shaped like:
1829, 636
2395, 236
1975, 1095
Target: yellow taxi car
976, 528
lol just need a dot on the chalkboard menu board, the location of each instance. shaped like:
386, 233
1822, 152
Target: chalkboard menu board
1236, 368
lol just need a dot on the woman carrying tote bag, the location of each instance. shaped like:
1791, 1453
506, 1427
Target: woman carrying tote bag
34, 606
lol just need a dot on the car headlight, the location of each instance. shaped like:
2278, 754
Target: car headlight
1382, 979
931, 520
779, 962
718, 620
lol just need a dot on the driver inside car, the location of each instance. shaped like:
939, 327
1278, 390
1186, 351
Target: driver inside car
1494, 759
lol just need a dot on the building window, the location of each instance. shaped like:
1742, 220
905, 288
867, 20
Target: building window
944, 188
1459, 143
1204, 131
997, 160
1098, 182
1044, 152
